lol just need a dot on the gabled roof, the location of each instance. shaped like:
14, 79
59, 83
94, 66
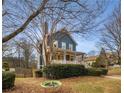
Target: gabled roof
64, 30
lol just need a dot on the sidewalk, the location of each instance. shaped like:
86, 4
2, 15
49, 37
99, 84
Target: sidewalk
114, 77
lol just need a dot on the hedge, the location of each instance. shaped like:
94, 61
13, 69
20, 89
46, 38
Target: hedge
58, 71
38, 73
104, 71
5, 66
93, 72
96, 71
8, 79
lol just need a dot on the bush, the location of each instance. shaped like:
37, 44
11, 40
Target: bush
104, 71
8, 79
5, 66
38, 73
93, 72
58, 71
96, 71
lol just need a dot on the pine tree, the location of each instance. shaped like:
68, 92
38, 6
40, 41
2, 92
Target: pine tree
102, 61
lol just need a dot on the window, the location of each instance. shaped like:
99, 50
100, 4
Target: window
72, 58
70, 47
63, 45
55, 44
67, 57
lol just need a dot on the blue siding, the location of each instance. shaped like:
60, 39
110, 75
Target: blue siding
62, 37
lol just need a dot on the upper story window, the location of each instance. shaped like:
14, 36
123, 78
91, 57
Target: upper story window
55, 44
63, 45
70, 47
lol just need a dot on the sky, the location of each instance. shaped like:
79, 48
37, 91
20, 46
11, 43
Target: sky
87, 45
89, 42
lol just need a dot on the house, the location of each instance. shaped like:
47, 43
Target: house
88, 61
64, 47
111, 58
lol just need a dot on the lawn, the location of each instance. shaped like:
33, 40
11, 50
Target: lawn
114, 71
70, 85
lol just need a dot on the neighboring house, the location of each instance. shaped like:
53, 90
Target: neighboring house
64, 47
89, 60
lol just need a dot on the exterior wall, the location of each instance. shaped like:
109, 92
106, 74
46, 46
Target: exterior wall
89, 63
67, 40
63, 37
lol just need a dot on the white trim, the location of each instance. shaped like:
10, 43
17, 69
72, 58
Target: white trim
64, 60
71, 47
63, 45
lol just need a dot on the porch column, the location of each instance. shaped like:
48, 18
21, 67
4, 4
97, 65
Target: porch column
64, 56
70, 57
75, 58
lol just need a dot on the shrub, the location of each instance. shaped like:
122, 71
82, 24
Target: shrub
104, 71
96, 71
38, 73
93, 72
94, 64
58, 71
5, 66
8, 79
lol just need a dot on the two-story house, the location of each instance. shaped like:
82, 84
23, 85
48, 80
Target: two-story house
65, 49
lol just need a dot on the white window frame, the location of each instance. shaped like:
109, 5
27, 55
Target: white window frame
55, 43
63, 45
70, 47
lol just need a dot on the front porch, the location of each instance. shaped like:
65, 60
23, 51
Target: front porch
67, 57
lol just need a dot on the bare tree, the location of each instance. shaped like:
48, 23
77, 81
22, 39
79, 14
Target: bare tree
25, 24
37, 21
8, 49
25, 50
111, 38
83, 13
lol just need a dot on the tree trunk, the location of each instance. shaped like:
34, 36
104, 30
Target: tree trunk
44, 53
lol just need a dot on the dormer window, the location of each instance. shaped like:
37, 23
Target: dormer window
55, 44
70, 47
63, 45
